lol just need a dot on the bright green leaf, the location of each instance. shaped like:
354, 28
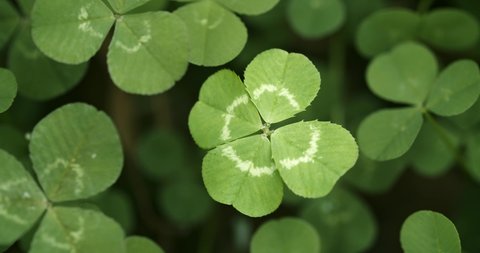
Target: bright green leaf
9, 20
148, 52
216, 35
312, 156
8, 89
138, 244
450, 29
46, 78
456, 89
285, 235
427, 231
249, 7
375, 177
123, 6
316, 18
388, 134
162, 153
403, 75
242, 174
473, 156
117, 204
281, 84
152, 5
430, 154
185, 202
70, 31
384, 29
21, 200
224, 112
76, 152
74, 229
343, 221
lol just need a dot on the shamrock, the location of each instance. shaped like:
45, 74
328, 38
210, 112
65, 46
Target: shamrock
250, 158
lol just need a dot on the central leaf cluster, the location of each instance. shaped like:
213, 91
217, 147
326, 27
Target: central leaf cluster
249, 161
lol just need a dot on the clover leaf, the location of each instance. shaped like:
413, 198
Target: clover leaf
76, 154
249, 160
408, 74
428, 231
8, 89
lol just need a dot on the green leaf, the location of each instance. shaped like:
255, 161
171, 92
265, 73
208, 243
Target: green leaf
148, 52
76, 152
74, 34
185, 202
75, 229
242, 174
216, 35
449, 29
224, 111
456, 89
117, 205
285, 235
21, 200
469, 119
389, 133
152, 5
137, 244
427, 231
123, 6
343, 221
403, 75
384, 29
316, 18
173, 152
375, 177
8, 89
249, 7
9, 20
281, 84
46, 78
312, 156
430, 154
472, 156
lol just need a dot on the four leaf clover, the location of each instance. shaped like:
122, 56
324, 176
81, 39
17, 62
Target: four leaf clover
249, 160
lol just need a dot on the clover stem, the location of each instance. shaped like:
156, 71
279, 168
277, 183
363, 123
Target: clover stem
445, 138
336, 80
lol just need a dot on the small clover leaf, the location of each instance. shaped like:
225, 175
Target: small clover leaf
136, 244
8, 89
76, 152
249, 7
216, 34
74, 34
408, 74
77, 229
316, 18
153, 44
428, 231
246, 170
271, 237
21, 200
281, 84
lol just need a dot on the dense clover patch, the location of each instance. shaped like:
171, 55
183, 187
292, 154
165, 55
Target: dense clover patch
249, 160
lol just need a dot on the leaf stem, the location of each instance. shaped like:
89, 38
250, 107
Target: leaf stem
446, 139
337, 63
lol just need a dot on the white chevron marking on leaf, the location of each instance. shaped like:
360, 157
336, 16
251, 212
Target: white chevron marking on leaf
307, 156
283, 92
246, 166
229, 115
